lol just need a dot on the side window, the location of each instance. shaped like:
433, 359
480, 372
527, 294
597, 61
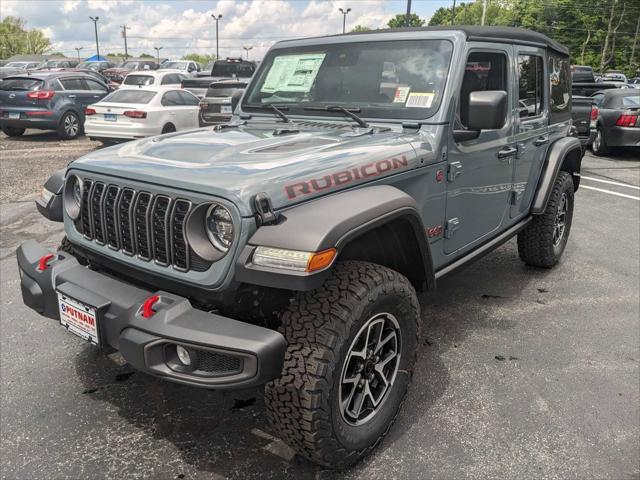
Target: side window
171, 99
188, 99
530, 85
72, 83
484, 71
597, 99
95, 86
559, 88
169, 79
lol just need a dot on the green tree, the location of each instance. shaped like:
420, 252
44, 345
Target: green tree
200, 58
400, 21
15, 39
360, 28
146, 55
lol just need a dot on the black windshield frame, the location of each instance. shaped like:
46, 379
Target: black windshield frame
431, 50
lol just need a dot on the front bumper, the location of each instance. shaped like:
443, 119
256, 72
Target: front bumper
238, 354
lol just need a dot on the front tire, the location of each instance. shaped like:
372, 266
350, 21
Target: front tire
69, 126
351, 353
13, 131
543, 241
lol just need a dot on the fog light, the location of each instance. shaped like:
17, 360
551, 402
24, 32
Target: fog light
183, 355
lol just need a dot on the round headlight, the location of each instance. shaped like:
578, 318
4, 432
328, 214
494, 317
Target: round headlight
219, 227
72, 197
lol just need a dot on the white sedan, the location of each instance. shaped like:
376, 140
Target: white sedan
141, 112
155, 78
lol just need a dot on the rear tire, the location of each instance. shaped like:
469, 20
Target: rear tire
69, 127
13, 131
341, 388
543, 241
599, 145
168, 128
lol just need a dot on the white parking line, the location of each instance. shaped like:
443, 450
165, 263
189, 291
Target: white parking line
610, 182
610, 192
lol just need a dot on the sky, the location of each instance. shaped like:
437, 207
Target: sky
181, 27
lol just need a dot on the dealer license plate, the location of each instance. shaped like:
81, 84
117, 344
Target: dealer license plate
14, 115
78, 318
110, 117
225, 109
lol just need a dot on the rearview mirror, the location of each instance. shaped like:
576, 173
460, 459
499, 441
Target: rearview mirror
487, 110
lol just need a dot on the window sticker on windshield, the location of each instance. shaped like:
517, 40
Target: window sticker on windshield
293, 73
419, 100
401, 94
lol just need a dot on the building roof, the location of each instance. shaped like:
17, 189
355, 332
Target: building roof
514, 35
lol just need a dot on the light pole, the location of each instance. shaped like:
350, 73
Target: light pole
77, 49
246, 49
95, 26
344, 17
216, 18
158, 53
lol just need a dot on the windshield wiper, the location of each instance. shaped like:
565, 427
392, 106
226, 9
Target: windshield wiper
274, 109
337, 108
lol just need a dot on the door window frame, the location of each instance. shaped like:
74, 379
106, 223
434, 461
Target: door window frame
520, 52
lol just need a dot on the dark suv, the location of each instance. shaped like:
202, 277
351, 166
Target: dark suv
48, 101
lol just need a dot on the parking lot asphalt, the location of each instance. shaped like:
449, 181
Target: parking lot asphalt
521, 373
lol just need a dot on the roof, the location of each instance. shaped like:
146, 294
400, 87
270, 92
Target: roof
621, 92
513, 35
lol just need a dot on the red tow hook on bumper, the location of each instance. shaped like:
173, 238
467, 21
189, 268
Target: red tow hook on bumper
43, 264
147, 306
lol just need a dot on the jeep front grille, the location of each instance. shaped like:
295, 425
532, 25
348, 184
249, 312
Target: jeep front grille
138, 223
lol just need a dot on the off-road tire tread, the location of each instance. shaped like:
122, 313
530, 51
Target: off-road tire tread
316, 325
535, 242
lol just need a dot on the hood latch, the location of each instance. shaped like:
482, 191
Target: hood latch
264, 209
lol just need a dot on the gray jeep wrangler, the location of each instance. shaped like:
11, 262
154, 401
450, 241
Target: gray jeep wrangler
286, 248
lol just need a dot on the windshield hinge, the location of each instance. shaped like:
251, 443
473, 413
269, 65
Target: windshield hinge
411, 125
264, 209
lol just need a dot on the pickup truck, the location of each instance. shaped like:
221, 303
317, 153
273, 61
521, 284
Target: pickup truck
229, 69
287, 248
220, 101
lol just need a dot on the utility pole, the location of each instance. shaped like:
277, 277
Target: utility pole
157, 49
216, 18
344, 17
453, 13
124, 34
77, 49
484, 11
407, 20
246, 49
95, 26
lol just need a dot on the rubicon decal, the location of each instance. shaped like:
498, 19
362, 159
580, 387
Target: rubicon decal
333, 180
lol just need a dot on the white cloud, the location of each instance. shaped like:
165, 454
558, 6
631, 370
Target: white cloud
183, 27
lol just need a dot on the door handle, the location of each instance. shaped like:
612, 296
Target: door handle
96, 96
72, 96
507, 152
541, 141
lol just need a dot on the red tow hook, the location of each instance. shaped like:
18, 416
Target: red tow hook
43, 264
147, 306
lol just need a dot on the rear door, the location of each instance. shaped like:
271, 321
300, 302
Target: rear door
74, 92
96, 90
531, 126
190, 110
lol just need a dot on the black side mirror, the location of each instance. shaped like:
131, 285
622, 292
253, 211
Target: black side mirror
487, 110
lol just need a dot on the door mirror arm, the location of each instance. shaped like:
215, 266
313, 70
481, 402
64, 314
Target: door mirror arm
465, 135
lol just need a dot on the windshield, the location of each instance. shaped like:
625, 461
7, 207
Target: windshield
128, 65
90, 65
390, 79
138, 80
129, 96
174, 66
17, 64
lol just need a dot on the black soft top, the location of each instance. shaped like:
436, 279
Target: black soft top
520, 36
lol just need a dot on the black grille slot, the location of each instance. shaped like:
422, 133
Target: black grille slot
160, 229
85, 214
140, 217
178, 242
124, 220
110, 203
96, 212
216, 363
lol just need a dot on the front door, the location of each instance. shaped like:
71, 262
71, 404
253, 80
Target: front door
480, 171
531, 135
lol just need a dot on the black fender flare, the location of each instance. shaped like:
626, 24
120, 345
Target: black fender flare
52, 210
559, 155
330, 222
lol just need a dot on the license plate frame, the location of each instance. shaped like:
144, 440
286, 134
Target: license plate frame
14, 115
79, 318
110, 117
